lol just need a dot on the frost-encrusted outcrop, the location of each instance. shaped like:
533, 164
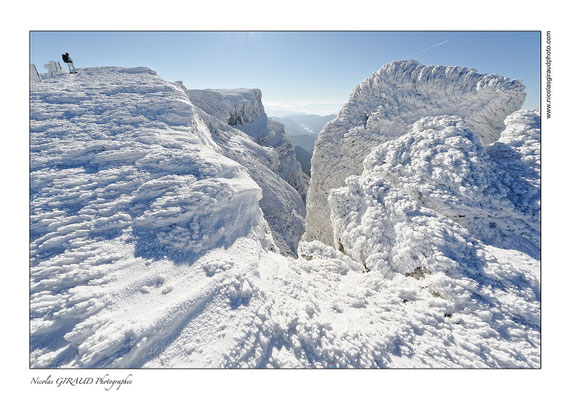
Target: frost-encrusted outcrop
385, 106
422, 196
518, 155
435, 206
243, 109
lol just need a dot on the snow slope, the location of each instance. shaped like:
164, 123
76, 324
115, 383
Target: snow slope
385, 106
124, 178
150, 246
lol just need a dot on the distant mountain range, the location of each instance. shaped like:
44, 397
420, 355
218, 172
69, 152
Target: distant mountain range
304, 141
304, 124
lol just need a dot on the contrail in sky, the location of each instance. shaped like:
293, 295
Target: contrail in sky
428, 48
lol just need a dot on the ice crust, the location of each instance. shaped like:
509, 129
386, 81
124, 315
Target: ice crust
159, 236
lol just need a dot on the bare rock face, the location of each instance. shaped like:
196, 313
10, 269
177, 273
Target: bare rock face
385, 106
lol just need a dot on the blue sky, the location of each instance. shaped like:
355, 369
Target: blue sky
310, 72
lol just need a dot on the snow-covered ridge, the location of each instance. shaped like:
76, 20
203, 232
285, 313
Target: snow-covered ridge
127, 182
385, 106
141, 161
243, 109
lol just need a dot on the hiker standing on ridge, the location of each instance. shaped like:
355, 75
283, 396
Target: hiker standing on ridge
67, 59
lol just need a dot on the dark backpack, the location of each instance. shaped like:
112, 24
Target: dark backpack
65, 58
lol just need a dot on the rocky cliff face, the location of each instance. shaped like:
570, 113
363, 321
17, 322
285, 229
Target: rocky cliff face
243, 110
385, 106
233, 106
239, 125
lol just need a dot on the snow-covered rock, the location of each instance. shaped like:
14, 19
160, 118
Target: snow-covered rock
151, 247
233, 106
420, 193
385, 106
432, 206
243, 109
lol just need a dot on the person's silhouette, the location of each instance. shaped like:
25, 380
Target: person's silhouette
67, 59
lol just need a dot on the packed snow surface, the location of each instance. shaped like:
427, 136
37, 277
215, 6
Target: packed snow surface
159, 237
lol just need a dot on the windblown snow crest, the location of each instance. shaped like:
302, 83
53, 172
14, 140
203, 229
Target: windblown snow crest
162, 224
127, 180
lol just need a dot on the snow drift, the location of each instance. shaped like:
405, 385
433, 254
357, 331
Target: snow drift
385, 106
160, 235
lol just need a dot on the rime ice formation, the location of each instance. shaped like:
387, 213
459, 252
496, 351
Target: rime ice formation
385, 106
430, 191
159, 238
243, 109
